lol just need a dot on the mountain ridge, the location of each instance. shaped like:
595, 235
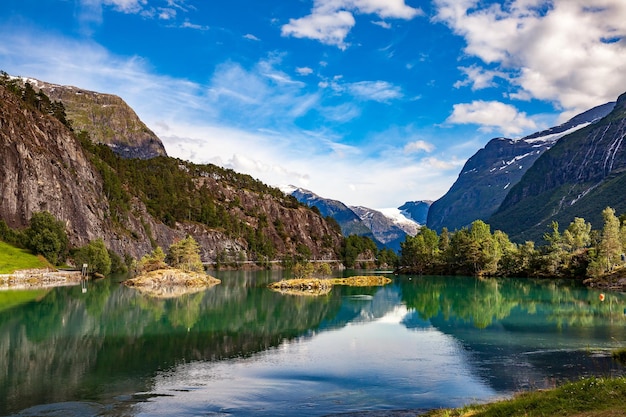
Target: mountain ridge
386, 227
106, 117
578, 177
487, 176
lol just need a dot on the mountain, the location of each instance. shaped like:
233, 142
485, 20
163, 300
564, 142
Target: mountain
490, 173
389, 226
579, 176
135, 205
416, 210
107, 119
386, 227
349, 221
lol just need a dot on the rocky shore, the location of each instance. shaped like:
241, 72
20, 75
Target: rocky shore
38, 278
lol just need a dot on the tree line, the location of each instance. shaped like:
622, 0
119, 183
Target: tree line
579, 251
36, 100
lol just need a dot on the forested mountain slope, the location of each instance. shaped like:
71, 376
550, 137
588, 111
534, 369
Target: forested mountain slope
583, 173
135, 205
491, 172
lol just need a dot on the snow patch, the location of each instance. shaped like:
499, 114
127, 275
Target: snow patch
410, 226
556, 136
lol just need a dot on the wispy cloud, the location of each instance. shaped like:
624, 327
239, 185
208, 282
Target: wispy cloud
479, 78
418, 146
251, 37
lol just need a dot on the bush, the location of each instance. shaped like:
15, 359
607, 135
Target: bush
46, 236
96, 256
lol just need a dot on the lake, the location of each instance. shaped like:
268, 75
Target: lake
240, 349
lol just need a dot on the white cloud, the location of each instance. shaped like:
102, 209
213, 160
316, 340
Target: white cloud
304, 71
382, 24
188, 25
329, 29
251, 37
330, 21
492, 115
381, 91
125, 6
570, 52
479, 78
418, 146
167, 14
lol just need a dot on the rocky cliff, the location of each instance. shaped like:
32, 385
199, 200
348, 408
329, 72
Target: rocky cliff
490, 173
45, 167
583, 173
107, 119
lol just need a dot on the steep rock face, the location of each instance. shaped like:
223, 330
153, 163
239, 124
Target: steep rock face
107, 119
578, 177
489, 175
44, 167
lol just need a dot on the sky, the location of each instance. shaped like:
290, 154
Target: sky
371, 102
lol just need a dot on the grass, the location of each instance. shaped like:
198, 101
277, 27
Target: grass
589, 397
13, 259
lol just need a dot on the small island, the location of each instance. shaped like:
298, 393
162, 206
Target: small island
171, 282
183, 275
322, 286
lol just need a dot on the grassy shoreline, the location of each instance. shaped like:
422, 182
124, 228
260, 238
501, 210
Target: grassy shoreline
589, 397
14, 259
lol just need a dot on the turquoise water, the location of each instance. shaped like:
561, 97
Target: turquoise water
239, 349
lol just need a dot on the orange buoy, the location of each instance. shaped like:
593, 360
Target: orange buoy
601, 297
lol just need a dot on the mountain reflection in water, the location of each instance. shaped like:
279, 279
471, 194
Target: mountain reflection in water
241, 349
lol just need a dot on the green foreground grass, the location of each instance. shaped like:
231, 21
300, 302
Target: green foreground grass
590, 397
13, 259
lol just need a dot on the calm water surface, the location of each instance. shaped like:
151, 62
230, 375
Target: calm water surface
239, 349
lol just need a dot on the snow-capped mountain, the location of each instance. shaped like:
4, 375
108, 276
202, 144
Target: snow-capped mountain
488, 176
387, 227
583, 173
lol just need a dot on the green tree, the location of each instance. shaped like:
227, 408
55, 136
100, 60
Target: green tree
610, 249
153, 261
387, 258
420, 252
47, 236
577, 236
96, 256
303, 269
554, 254
354, 246
485, 251
185, 255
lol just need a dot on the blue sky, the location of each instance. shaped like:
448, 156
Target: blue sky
372, 102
